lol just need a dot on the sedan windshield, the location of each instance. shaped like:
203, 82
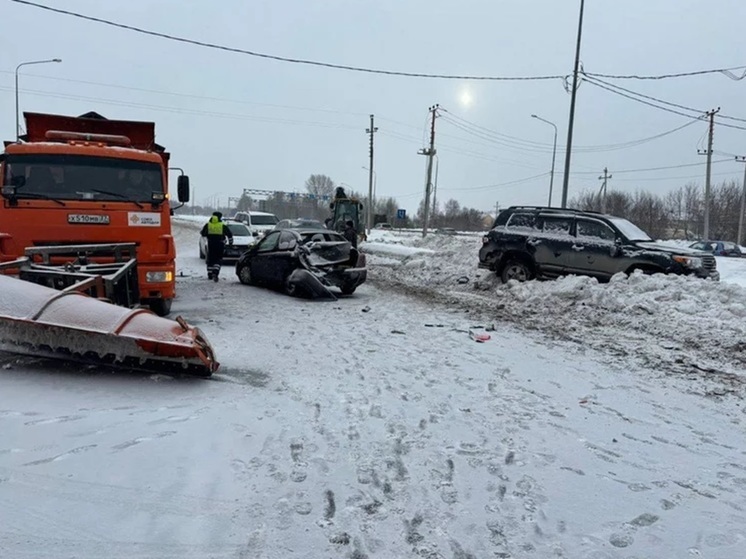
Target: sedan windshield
630, 230
81, 177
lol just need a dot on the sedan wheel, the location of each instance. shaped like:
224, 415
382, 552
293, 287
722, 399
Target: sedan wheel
244, 275
516, 270
291, 288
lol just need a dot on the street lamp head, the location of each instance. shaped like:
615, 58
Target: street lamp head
56, 60
534, 116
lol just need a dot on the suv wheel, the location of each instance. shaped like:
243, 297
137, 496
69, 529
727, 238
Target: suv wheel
516, 270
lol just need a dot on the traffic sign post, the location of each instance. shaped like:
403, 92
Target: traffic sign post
401, 215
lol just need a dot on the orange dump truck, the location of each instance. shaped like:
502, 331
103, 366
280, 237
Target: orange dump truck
89, 180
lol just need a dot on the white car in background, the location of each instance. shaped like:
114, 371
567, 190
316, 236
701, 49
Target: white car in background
258, 222
242, 240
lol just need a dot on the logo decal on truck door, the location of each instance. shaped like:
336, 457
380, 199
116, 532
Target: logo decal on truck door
143, 219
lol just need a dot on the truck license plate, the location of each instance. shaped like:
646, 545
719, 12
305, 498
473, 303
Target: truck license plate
87, 218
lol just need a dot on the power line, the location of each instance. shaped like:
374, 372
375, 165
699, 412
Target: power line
500, 185
452, 149
281, 58
670, 104
510, 141
187, 95
649, 179
725, 71
181, 110
654, 168
612, 89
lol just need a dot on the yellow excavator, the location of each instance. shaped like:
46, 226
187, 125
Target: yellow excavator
346, 208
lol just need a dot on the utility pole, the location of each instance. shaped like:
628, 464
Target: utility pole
435, 186
372, 130
568, 147
739, 240
708, 153
602, 194
430, 153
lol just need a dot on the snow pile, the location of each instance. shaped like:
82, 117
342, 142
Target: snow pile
661, 318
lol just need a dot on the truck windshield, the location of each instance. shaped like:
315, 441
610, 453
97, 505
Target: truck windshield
79, 177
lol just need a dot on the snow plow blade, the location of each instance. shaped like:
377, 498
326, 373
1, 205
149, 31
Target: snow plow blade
43, 322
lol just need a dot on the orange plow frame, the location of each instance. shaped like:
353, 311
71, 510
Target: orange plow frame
40, 321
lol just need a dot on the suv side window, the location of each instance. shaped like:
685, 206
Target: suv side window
521, 221
595, 230
557, 225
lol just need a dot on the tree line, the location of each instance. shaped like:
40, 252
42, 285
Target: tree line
679, 214
313, 203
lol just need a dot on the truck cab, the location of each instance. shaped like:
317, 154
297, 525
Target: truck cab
89, 180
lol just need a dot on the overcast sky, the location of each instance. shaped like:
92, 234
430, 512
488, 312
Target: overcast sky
234, 121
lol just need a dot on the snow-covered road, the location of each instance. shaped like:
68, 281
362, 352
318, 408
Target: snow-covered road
368, 427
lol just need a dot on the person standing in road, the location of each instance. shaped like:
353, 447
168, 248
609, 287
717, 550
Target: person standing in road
216, 232
350, 233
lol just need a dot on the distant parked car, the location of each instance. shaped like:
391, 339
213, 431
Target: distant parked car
303, 261
242, 240
300, 223
718, 248
385, 226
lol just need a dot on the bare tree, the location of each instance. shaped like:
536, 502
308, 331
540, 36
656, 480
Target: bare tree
320, 186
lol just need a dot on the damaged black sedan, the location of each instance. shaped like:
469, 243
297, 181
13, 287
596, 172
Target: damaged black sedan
303, 262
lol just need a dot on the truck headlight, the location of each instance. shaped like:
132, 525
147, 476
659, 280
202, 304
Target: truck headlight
688, 261
158, 277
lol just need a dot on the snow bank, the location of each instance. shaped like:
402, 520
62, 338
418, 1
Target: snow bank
661, 318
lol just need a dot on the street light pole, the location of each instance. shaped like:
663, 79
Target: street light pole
554, 155
573, 94
18, 124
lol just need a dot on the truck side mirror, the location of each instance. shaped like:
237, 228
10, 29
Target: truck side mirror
182, 188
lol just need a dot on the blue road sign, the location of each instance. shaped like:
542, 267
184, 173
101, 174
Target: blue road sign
401, 214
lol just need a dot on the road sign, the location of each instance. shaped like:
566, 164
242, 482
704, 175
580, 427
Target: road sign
401, 214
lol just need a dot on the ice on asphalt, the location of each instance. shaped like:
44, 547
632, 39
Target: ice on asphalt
332, 432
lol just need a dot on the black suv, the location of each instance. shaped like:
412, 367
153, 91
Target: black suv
529, 242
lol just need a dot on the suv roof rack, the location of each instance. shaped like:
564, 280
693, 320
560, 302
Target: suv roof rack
547, 208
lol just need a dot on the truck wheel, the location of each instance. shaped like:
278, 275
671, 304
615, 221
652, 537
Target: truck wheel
161, 307
516, 270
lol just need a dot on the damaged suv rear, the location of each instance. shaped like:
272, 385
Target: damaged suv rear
529, 242
304, 262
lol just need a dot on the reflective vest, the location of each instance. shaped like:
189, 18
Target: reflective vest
215, 226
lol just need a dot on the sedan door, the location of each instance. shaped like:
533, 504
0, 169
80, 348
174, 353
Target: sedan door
262, 259
285, 260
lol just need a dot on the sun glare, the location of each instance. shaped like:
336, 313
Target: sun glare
465, 98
